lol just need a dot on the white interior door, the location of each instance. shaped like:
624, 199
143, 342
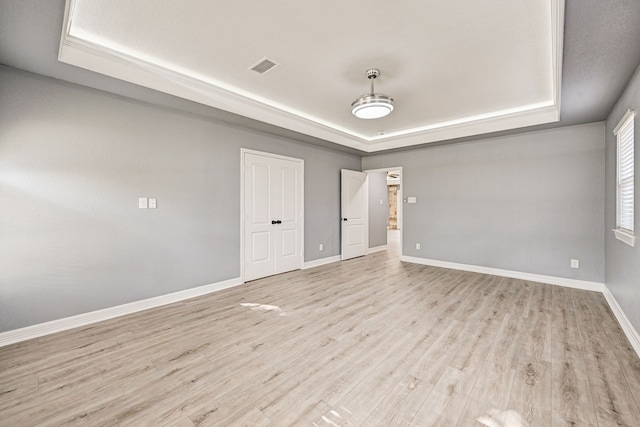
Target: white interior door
288, 231
272, 215
355, 213
259, 236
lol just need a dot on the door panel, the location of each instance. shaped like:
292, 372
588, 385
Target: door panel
355, 234
289, 194
355, 207
289, 239
261, 244
355, 213
261, 192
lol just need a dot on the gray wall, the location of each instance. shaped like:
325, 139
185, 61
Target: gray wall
526, 203
623, 261
73, 162
378, 209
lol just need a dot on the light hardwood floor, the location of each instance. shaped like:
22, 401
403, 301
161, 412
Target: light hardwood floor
370, 341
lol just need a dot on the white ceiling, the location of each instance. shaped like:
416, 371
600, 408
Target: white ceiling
454, 68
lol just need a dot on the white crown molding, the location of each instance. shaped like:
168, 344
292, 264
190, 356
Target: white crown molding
513, 120
185, 84
59, 325
134, 70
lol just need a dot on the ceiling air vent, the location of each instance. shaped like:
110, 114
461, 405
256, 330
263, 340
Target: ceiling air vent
263, 66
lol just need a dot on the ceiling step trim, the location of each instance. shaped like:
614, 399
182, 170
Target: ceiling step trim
111, 62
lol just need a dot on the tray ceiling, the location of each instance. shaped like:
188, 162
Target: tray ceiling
454, 68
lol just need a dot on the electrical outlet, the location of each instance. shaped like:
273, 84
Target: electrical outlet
142, 203
152, 203
417, 245
575, 263
321, 247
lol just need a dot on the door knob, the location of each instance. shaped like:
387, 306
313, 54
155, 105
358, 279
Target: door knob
344, 219
274, 222
278, 222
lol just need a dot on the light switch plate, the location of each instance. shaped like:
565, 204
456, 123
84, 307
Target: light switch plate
142, 203
152, 203
411, 200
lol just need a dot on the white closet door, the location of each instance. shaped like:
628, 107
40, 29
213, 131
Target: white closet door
288, 236
259, 238
272, 215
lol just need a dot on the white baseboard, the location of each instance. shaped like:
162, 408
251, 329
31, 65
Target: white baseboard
378, 249
552, 280
321, 261
35, 331
625, 324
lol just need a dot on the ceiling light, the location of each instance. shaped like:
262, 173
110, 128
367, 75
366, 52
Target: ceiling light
372, 105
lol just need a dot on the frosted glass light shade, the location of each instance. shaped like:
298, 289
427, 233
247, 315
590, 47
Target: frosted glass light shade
372, 106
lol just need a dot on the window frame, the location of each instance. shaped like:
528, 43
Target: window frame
624, 234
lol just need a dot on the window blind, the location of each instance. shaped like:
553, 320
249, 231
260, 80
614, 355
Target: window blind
625, 137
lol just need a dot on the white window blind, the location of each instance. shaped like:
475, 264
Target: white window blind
625, 136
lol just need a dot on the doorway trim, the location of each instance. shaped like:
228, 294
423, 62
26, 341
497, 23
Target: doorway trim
244, 151
400, 198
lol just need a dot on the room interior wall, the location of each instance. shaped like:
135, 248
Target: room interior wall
526, 203
73, 163
623, 261
378, 209
68, 192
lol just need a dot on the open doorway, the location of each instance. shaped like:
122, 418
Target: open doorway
385, 209
394, 223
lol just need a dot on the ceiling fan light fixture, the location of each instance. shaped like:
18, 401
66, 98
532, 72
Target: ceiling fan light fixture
372, 105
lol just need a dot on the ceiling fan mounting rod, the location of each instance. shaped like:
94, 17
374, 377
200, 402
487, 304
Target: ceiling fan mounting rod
372, 73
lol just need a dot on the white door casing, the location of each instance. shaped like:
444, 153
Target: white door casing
400, 197
355, 213
272, 214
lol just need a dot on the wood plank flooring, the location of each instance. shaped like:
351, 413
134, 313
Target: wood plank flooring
366, 342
